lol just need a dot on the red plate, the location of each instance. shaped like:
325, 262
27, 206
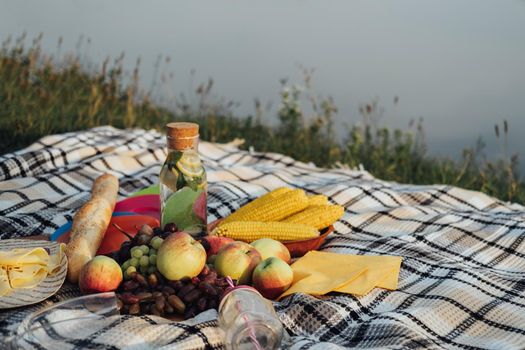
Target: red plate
113, 237
144, 205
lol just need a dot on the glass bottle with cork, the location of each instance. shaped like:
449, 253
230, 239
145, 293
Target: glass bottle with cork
183, 185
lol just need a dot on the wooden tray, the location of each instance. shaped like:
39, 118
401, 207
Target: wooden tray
300, 248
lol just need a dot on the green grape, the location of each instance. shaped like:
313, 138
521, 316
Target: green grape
130, 270
156, 242
144, 260
152, 269
143, 270
152, 252
144, 248
136, 252
126, 265
134, 262
153, 259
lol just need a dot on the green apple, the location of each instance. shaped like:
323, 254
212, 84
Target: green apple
180, 256
268, 247
237, 260
272, 277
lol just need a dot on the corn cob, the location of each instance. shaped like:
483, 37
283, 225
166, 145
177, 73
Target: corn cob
273, 208
318, 216
253, 205
318, 199
250, 231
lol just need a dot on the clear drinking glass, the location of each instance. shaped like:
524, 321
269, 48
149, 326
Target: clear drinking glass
249, 321
57, 326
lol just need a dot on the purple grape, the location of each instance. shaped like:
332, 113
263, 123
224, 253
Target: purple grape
171, 228
157, 231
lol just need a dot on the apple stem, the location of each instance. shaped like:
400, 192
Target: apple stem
121, 230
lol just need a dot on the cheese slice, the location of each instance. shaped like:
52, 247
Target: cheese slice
382, 270
367, 281
318, 283
19, 256
26, 268
318, 273
5, 286
26, 275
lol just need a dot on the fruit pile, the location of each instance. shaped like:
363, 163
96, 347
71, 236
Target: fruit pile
169, 273
165, 273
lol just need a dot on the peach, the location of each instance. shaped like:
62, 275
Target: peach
237, 260
272, 277
100, 274
180, 256
268, 247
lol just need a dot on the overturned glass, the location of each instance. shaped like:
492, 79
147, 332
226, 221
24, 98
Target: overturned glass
66, 324
249, 321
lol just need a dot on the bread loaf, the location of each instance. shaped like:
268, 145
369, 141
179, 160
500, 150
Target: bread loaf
90, 224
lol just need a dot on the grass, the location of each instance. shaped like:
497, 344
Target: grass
41, 94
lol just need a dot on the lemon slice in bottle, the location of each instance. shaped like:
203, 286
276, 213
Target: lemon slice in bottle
190, 165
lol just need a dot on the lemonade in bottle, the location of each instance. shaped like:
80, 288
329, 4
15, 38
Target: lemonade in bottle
183, 181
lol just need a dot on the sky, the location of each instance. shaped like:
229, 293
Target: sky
459, 64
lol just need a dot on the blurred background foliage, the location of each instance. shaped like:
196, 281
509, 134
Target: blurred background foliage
42, 94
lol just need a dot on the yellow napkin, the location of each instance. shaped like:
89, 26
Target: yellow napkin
26, 268
318, 273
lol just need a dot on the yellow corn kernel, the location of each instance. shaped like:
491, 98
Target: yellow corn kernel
318, 199
273, 208
318, 216
249, 231
253, 205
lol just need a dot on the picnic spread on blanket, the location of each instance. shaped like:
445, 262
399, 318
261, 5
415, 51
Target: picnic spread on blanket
210, 246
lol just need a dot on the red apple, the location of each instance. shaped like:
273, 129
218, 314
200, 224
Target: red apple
212, 244
237, 260
268, 247
272, 277
180, 256
100, 274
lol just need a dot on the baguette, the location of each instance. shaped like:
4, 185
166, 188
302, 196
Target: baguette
90, 224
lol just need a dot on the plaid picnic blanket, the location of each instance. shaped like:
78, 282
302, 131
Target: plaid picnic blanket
462, 280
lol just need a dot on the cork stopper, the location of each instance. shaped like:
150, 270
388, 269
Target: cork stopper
182, 135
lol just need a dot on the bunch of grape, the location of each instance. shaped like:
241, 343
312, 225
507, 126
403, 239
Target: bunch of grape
143, 258
140, 252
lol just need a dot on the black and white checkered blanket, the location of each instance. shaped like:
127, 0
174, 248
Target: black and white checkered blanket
462, 281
